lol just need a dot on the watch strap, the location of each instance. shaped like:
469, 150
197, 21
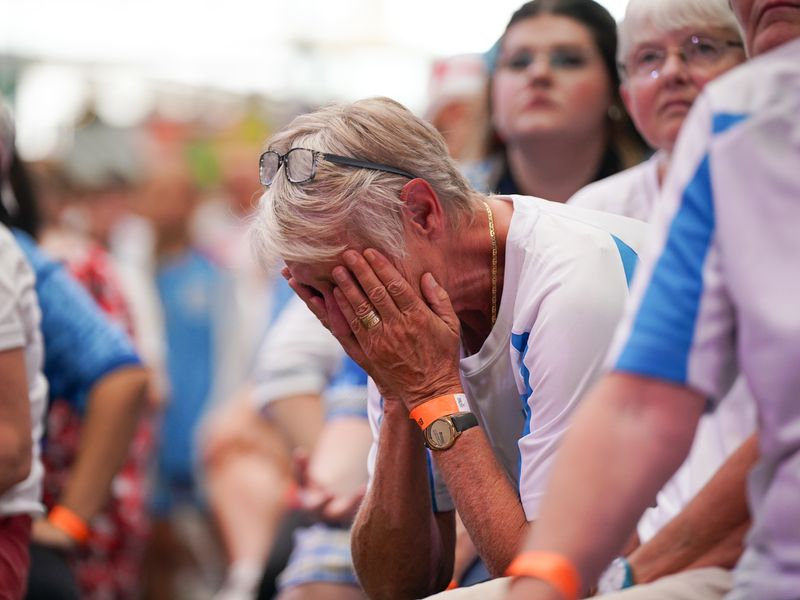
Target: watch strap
463, 421
628, 581
435, 408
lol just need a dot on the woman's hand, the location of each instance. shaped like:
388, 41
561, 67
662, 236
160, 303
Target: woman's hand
412, 352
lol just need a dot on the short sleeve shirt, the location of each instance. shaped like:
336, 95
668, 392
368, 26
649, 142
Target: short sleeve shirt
718, 289
81, 344
565, 285
19, 328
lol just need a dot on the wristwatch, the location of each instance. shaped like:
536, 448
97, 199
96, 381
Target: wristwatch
443, 432
617, 576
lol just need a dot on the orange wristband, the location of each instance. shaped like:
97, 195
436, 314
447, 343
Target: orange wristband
552, 568
67, 521
452, 585
441, 406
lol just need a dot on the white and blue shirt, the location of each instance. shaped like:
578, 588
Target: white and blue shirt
565, 285
718, 289
631, 192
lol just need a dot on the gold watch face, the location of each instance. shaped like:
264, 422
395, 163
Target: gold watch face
441, 434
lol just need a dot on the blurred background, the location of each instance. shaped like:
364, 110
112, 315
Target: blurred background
138, 127
213, 65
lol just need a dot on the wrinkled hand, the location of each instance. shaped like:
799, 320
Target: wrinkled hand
412, 354
42, 532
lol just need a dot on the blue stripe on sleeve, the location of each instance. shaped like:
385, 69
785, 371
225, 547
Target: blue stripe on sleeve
519, 341
663, 329
721, 122
629, 258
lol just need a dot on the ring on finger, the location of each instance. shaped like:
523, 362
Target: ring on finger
370, 320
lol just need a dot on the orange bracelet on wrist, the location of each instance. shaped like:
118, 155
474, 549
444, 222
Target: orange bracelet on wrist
441, 406
553, 568
67, 521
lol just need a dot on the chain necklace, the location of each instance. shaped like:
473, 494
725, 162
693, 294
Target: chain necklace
494, 261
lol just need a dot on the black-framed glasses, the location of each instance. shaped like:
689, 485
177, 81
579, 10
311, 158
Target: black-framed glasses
697, 51
300, 165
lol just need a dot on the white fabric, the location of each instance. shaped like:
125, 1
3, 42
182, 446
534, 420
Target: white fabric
718, 291
695, 584
631, 193
298, 356
563, 293
19, 328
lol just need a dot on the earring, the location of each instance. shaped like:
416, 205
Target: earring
615, 113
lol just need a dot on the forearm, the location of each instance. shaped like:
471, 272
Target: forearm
112, 415
709, 531
400, 549
298, 433
465, 551
629, 436
485, 499
16, 445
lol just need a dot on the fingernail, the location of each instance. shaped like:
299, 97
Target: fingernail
339, 274
350, 258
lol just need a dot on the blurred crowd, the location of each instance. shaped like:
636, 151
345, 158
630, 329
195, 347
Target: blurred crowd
212, 338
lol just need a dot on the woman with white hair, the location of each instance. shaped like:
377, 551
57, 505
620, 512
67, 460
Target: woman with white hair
668, 51
483, 318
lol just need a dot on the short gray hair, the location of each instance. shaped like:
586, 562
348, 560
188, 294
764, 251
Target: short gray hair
306, 222
669, 15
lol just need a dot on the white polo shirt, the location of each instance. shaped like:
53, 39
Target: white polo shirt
631, 192
718, 290
565, 285
19, 328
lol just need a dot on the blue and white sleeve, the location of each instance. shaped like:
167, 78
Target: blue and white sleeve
562, 355
679, 325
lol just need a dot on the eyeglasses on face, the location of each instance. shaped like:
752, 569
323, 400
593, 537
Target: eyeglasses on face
559, 59
300, 165
697, 51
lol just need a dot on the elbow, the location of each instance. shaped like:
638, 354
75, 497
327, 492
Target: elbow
16, 460
370, 556
140, 382
23, 465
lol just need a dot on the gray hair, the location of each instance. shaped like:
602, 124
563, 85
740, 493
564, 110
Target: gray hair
344, 206
669, 15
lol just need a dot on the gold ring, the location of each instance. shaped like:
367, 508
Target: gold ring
370, 320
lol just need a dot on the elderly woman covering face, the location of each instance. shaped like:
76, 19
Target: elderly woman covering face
480, 319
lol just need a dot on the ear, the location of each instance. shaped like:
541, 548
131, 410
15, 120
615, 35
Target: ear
423, 211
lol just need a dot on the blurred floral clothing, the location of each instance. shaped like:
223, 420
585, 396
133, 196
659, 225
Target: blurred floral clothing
108, 566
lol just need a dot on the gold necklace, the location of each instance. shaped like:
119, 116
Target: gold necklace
494, 261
